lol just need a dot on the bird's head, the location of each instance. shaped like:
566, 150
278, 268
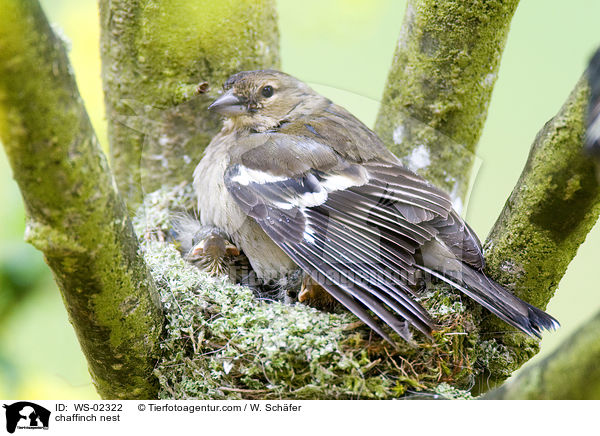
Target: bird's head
262, 100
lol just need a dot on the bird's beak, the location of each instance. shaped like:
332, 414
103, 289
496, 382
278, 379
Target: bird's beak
228, 104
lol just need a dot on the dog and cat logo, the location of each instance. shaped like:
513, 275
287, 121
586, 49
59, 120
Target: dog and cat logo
26, 415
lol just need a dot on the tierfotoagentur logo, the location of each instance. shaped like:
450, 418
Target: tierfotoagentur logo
26, 415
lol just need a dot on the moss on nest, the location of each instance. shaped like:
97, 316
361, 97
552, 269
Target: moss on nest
222, 342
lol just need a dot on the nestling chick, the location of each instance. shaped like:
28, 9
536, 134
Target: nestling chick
206, 247
298, 182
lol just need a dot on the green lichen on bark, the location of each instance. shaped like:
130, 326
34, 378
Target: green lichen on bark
438, 89
74, 213
571, 372
154, 55
552, 208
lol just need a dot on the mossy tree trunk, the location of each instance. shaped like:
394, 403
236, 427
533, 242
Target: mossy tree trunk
75, 215
548, 215
162, 65
439, 86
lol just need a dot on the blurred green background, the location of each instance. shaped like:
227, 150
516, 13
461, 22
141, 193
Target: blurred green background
343, 48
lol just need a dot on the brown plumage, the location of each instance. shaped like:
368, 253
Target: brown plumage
298, 182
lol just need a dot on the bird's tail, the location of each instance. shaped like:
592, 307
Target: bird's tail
498, 300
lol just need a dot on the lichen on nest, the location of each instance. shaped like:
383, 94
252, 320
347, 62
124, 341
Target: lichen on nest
222, 342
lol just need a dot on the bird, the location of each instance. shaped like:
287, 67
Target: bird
299, 183
203, 246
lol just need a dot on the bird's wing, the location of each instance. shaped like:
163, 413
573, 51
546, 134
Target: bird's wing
354, 227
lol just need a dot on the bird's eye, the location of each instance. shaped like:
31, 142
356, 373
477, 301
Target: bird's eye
267, 91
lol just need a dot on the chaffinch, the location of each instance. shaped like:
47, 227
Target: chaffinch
297, 182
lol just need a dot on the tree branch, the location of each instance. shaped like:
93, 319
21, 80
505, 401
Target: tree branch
571, 372
440, 84
154, 56
552, 208
74, 213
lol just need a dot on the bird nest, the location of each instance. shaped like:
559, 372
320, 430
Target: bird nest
220, 341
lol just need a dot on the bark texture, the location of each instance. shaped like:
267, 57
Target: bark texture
74, 213
552, 208
439, 86
155, 54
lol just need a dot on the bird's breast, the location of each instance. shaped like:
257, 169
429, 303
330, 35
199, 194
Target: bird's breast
216, 206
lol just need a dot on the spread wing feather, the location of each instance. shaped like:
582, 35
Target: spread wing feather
367, 265
352, 241
344, 278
